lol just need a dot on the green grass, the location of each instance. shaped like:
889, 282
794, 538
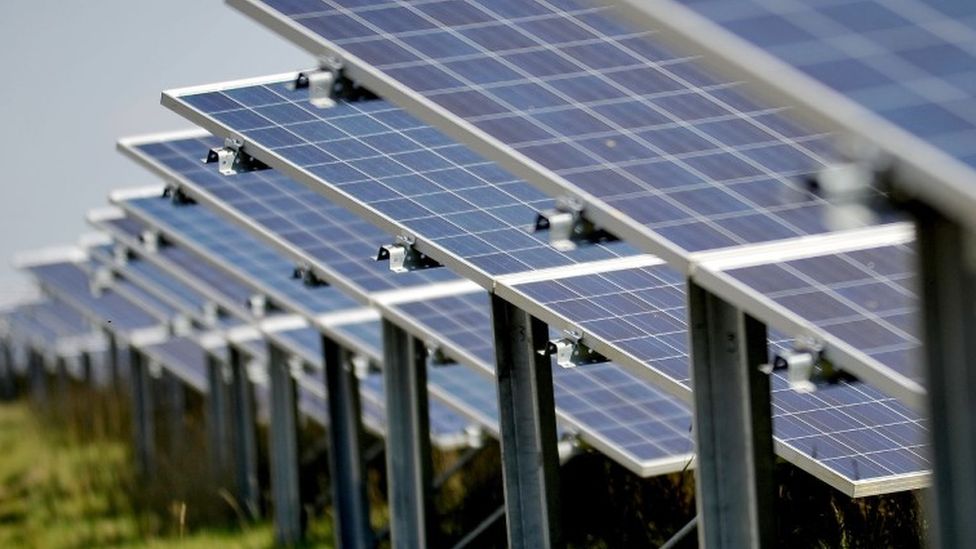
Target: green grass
59, 491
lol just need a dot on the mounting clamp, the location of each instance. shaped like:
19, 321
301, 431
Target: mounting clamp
568, 226
308, 277
475, 436
232, 159
403, 257
802, 364
360, 365
258, 304
120, 254
210, 313
856, 186
151, 240
571, 352
329, 84
436, 355
180, 325
177, 196
101, 280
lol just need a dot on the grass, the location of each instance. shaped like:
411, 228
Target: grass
62, 492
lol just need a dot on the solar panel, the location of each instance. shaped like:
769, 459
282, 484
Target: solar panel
618, 414
910, 62
149, 276
866, 298
583, 104
71, 284
439, 192
835, 433
299, 216
185, 358
233, 249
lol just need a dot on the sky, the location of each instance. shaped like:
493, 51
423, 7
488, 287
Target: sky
77, 76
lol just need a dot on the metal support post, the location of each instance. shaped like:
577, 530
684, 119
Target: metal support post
947, 254
244, 435
530, 458
733, 425
218, 419
408, 462
114, 369
285, 489
348, 471
37, 376
175, 394
8, 383
143, 426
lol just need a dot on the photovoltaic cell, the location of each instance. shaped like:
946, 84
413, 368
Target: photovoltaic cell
185, 358
616, 412
607, 109
292, 212
912, 62
851, 429
374, 156
71, 284
234, 249
866, 298
140, 270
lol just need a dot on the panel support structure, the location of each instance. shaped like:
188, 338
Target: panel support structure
244, 435
530, 458
285, 488
143, 424
948, 278
8, 381
175, 413
346, 465
408, 462
733, 424
219, 424
37, 377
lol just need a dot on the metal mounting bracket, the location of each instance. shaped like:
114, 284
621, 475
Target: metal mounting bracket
804, 365
360, 365
177, 196
181, 325
307, 276
151, 240
857, 187
232, 159
210, 313
570, 351
568, 226
403, 257
101, 280
258, 304
437, 356
120, 254
474, 435
329, 84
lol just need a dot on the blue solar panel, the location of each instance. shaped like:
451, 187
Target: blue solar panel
912, 62
71, 284
850, 428
216, 282
60, 318
29, 330
613, 410
185, 358
368, 337
294, 214
379, 160
234, 249
177, 292
606, 109
866, 298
